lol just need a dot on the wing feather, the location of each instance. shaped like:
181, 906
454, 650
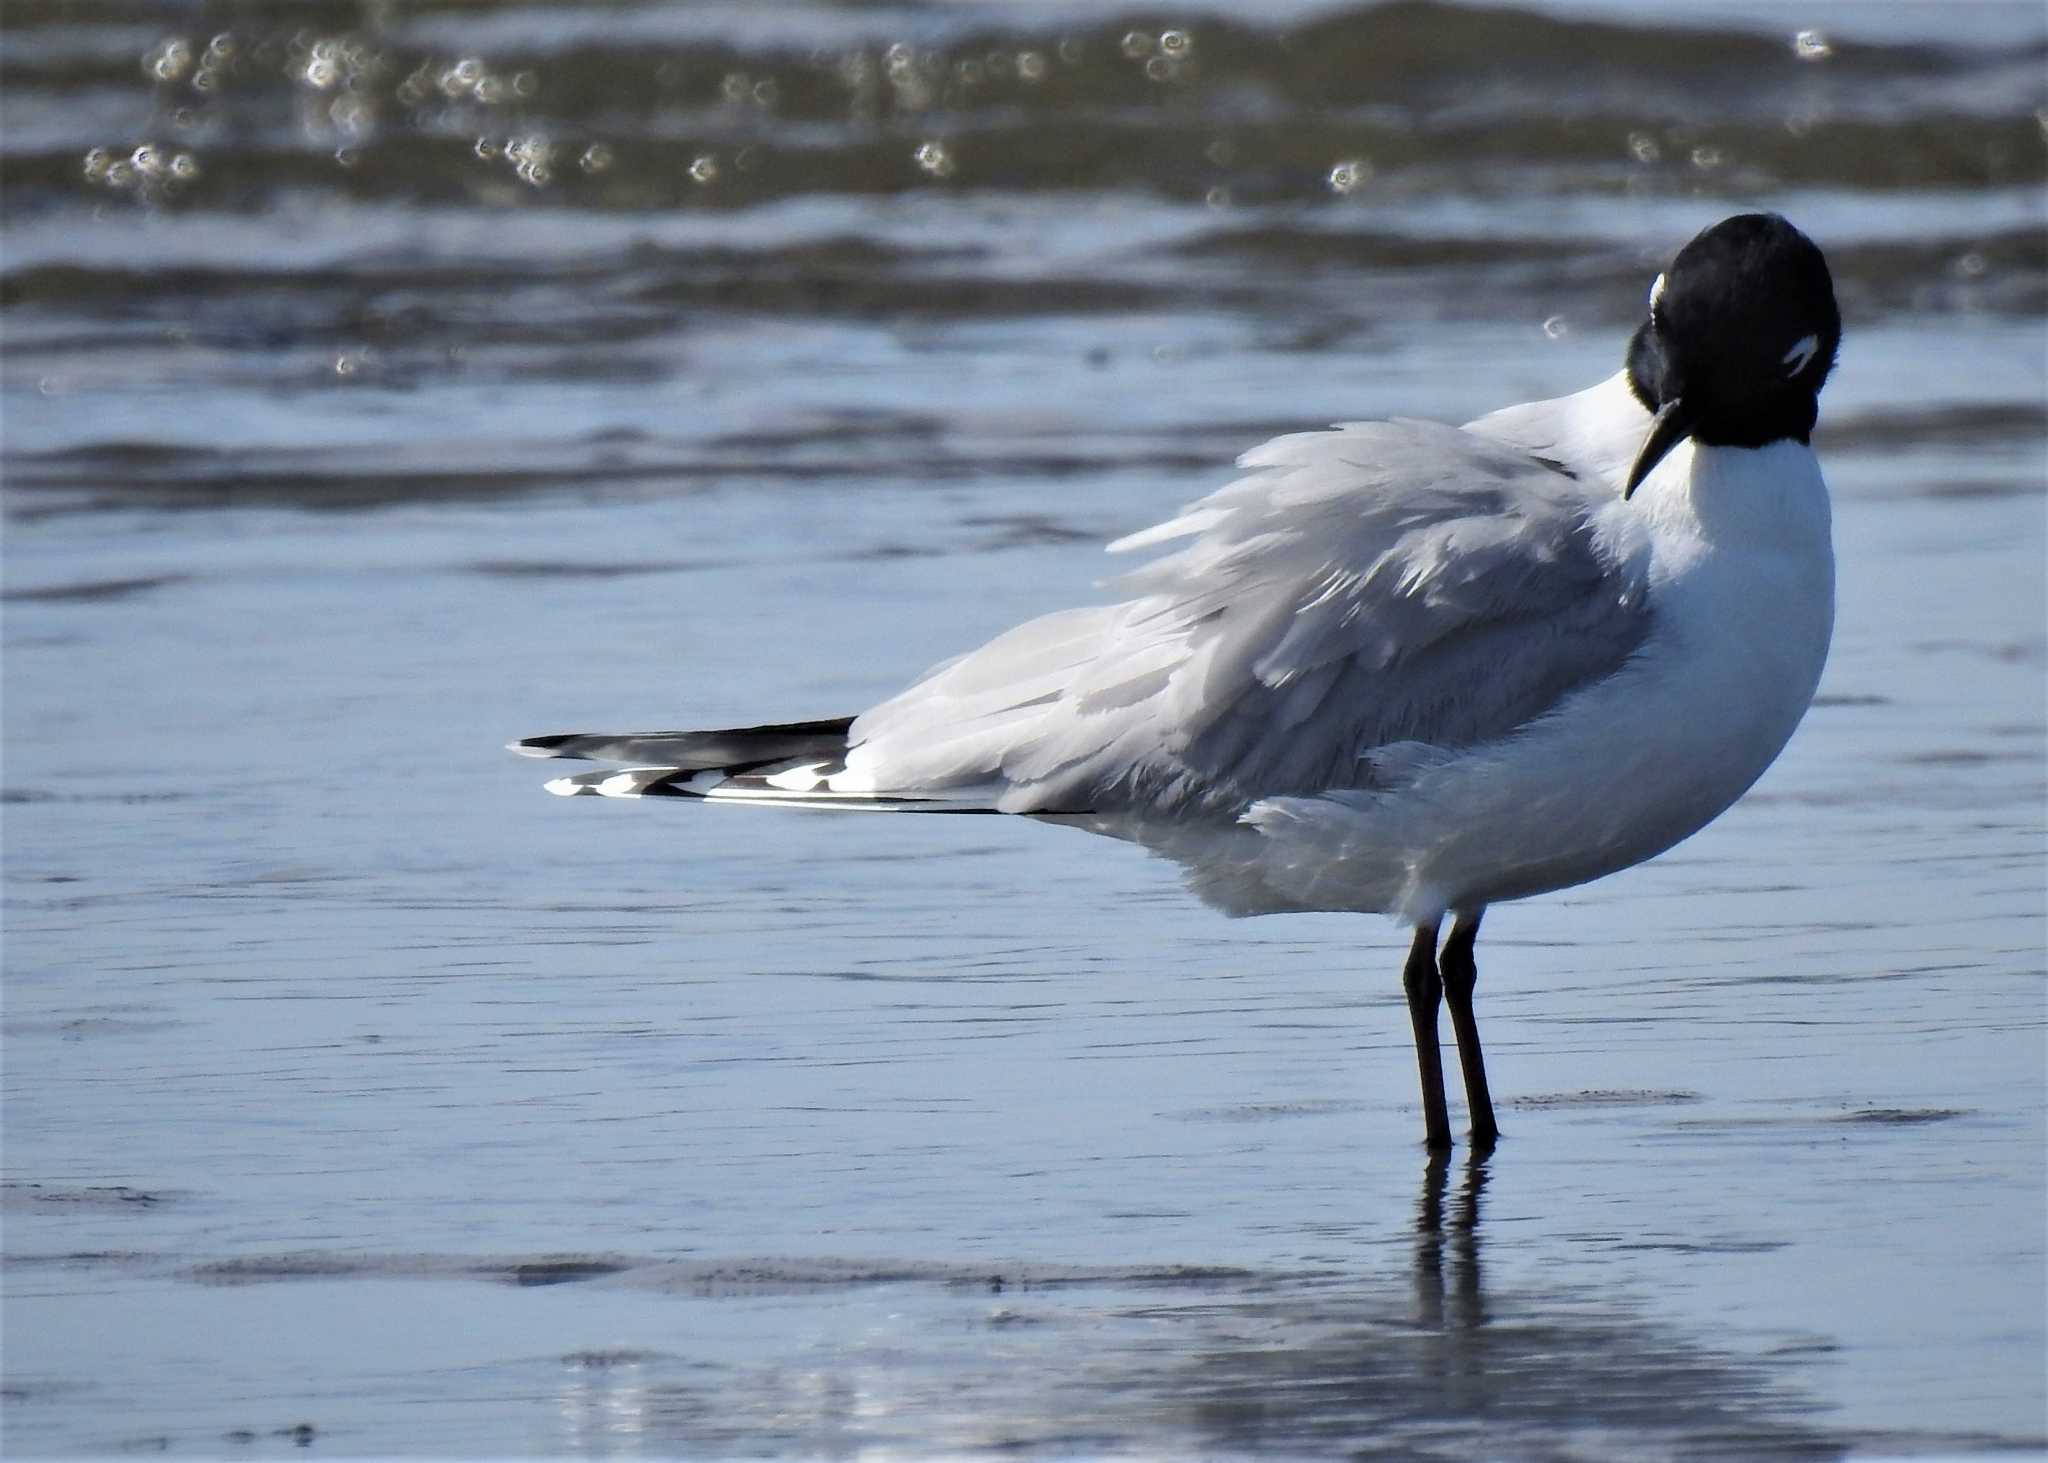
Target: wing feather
1382, 586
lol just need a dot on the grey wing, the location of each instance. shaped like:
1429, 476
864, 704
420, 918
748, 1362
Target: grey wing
1360, 594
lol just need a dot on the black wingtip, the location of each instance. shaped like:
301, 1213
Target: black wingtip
736, 747
669, 790
548, 746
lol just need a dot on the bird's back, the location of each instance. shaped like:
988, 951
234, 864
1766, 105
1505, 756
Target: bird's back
1358, 593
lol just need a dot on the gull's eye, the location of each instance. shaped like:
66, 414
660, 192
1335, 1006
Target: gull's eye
1656, 294
1800, 356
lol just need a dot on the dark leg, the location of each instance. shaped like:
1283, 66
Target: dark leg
1425, 989
1460, 973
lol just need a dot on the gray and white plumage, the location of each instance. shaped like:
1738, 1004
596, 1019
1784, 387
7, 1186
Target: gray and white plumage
1359, 593
1401, 666
1354, 637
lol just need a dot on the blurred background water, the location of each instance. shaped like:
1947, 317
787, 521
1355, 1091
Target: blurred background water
382, 381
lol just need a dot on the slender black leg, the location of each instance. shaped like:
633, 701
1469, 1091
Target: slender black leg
1460, 973
1425, 989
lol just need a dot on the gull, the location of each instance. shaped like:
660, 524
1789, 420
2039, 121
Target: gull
1401, 667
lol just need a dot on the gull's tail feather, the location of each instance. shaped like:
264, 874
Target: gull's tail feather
786, 785
742, 746
631, 782
795, 765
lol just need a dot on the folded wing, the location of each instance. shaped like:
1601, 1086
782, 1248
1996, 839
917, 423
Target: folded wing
1362, 600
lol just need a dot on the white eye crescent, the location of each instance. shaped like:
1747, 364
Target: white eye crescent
1656, 293
1800, 356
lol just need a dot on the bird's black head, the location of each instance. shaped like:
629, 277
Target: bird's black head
1742, 331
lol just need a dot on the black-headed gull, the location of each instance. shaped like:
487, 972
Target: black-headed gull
1399, 666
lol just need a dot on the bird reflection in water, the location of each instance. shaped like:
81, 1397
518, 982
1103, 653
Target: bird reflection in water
1348, 1361
1449, 1293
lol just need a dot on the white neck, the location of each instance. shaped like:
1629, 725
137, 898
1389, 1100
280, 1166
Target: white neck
1742, 570
1768, 501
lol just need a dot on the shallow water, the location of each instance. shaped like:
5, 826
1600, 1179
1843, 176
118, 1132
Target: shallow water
360, 1098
